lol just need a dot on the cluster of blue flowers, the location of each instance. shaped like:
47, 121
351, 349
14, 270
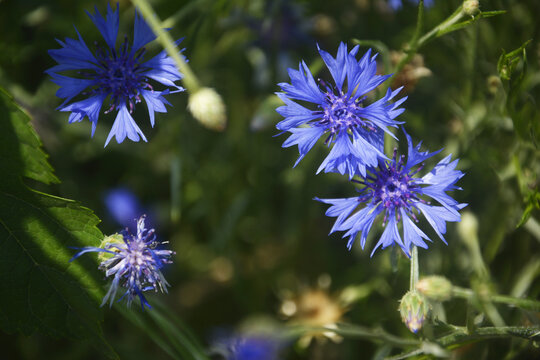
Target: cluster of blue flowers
352, 127
354, 130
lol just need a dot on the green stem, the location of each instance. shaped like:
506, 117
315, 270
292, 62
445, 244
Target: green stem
533, 227
355, 331
442, 27
414, 269
527, 304
463, 336
417, 42
190, 80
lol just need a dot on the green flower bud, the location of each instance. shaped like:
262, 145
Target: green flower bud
109, 240
208, 108
468, 227
435, 287
471, 7
414, 310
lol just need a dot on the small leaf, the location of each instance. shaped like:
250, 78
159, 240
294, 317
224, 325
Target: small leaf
508, 61
41, 290
461, 25
533, 202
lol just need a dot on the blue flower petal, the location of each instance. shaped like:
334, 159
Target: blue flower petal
390, 236
336, 66
123, 126
415, 156
88, 107
360, 222
70, 87
142, 33
108, 27
437, 216
155, 102
74, 50
341, 208
294, 114
303, 86
412, 235
305, 138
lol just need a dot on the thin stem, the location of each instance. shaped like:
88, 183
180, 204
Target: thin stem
414, 268
527, 304
355, 331
463, 336
533, 227
451, 20
190, 80
417, 42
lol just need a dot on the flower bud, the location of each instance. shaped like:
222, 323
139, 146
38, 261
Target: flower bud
414, 309
468, 227
109, 240
208, 108
471, 7
493, 84
435, 287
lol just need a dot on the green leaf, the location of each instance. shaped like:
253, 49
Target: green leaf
20, 141
533, 202
167, 331
508, 62
461, 25
41, 290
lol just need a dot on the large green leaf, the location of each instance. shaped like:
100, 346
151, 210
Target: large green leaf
41, 290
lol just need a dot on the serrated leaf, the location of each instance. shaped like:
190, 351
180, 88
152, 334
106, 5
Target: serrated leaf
21, 142
41, 290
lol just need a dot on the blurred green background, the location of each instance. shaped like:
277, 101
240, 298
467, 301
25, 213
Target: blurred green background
248, 236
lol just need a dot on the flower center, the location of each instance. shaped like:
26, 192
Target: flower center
395, 190
135, 256
341, 113
392, 187
120, 75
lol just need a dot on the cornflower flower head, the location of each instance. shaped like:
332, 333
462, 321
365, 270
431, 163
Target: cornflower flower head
393, 189
398, 4
134, 262
118, 75
122, 205
250, 347
353, 129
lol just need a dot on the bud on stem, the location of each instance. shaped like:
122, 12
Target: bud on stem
414, 310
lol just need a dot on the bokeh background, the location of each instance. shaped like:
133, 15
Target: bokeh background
250, 240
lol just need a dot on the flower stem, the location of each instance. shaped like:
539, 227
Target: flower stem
414, 268
190, 79
417, 42
527, 304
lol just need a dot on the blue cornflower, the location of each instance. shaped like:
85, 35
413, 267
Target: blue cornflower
392, 189
123, 205
250, 347
355, 130
134, 262
118, 75
398, 4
